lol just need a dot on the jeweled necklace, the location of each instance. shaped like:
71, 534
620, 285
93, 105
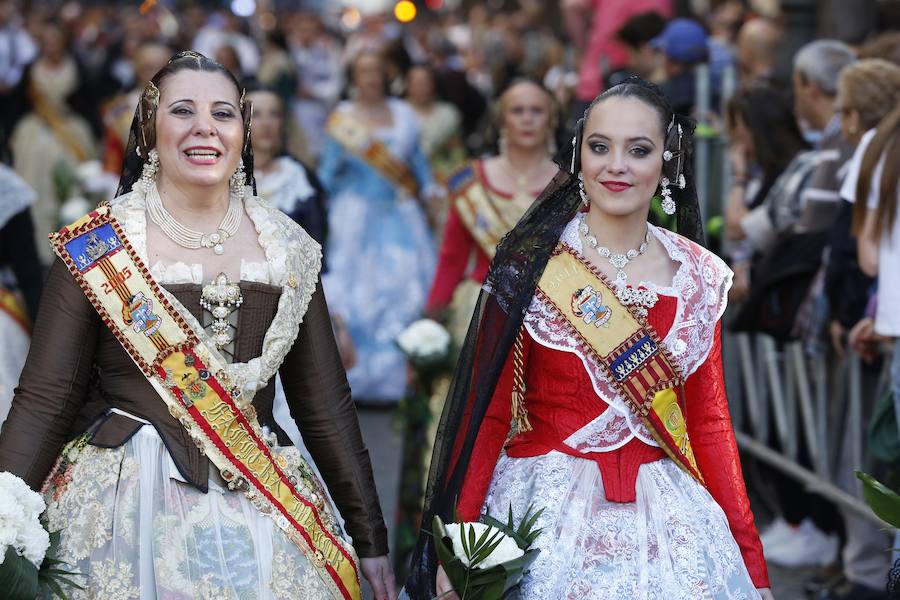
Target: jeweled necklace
639, 297
189, 238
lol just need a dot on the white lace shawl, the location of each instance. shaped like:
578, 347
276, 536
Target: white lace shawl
700, 286
294, 260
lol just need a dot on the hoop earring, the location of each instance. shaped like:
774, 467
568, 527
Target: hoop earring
150, 170
585, 200
238, 181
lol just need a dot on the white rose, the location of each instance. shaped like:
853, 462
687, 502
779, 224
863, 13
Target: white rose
33, 542
505, 551
20, 525
424, 338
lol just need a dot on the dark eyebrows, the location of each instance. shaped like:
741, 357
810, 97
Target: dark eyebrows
191, 101
640, 138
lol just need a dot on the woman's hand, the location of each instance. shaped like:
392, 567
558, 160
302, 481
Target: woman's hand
381, 577
740, 287
765, 593
443, 587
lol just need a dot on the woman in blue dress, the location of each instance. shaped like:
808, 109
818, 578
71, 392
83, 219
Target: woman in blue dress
381, 256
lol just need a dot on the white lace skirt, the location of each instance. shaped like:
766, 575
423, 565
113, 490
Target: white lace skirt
673, 543
135, 530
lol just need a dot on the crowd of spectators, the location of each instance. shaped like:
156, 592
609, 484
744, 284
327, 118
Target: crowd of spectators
71, 73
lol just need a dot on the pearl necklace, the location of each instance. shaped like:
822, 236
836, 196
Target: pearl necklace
189, 238
640, 297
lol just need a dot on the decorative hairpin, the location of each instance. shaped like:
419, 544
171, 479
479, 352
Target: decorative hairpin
186, 54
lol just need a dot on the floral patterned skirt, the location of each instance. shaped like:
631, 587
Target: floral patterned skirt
135, 530
672, 543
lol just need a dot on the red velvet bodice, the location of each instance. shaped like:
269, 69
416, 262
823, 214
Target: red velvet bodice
560, 400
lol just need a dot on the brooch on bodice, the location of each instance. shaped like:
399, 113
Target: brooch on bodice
221, 298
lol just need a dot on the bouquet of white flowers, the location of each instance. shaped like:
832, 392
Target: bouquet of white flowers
426, 343
25, 568
486, 560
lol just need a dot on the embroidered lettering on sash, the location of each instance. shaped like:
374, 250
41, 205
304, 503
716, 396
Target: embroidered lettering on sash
197, 391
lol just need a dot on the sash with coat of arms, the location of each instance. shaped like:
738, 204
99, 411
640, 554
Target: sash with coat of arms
486, 217
195, 386
637, 364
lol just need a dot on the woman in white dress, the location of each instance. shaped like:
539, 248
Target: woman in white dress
144, 411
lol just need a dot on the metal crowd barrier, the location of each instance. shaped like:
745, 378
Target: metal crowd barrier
780, 397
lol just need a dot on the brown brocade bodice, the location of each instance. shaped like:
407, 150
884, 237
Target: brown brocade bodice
77, 371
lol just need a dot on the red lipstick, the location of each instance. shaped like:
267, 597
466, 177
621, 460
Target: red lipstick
615, 186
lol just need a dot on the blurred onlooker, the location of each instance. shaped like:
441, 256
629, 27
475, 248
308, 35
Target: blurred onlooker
117, 115
283, 180
441, 123
559, 77
763, 140
320, 79
643, 60
227, 56
223, 29
817, 67
683, 45
17, 50
724, 21
758, 44
276, 69
52, 138
885, 45
867, 91
808, 191
592, 27
21, 279
453, 85
871, 184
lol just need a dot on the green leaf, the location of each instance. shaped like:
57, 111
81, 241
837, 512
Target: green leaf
18, 577
884, 502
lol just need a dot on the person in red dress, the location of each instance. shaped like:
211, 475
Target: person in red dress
489, 195
591, 382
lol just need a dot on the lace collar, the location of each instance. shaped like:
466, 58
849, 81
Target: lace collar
294, 260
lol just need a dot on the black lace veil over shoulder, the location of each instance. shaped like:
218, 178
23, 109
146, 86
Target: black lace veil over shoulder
506, 294
142, 135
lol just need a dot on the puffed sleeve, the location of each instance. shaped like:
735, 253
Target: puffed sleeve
318, 397
53, 385
489, 441
454, 257
712, 438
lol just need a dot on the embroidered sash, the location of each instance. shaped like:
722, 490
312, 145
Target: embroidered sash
194, 385
359, 141
637, 364
487, 218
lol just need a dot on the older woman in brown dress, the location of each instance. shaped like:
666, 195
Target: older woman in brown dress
145, 406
